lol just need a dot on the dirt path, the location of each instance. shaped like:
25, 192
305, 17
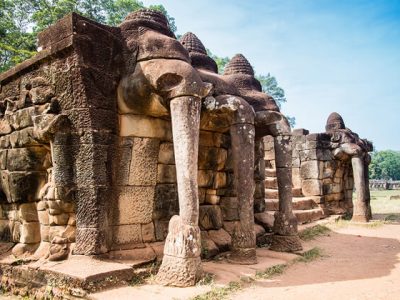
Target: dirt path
360, 263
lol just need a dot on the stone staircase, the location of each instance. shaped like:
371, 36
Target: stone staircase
306, 209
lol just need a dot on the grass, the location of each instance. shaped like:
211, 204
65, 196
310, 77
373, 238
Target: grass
311, 233
271, 271
207, 279
381, 203
219, 293
310, 255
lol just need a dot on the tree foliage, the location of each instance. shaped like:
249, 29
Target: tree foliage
21, 20
385, 165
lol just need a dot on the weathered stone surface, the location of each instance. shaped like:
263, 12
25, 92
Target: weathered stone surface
148, 234
208, 247
127, 234
265, 219
312, 169
221, 238
28, 213
144, 126
166, 173
30, 233
205, 178
220, 180
283, 243
166, 202
212, 199
210, 217
311, 187
230, 208
135, 205
143, 167
212, 158
213, 139
166, 154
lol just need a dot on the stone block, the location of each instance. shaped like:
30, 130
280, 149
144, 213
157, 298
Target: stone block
334, 197
296, 162
28, 159
161, 229
208, 247
148, 233
212, 199
166, 202
202, 195
61, 219
56, 231
311, 169
220, 180
28, 213
166, 154
205, 178
43, 217
166, 173
311, 187
22, 118
221, 238
213, 139
92, 164
210, 217
212, 158
30, 233
93, 205
45, 233
25, 186
296, 178
144, 126
92, 119
260, 186
5, 142
123, 165
143, 167
127, 234
259, 230
265, 219
135, 205
229, 208
5, 127
69, 233
3, 159
90, 241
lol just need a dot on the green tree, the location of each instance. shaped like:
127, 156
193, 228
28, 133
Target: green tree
385, 165
21, 20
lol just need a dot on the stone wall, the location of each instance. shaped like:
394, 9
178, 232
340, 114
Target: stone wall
315, 173
376, 184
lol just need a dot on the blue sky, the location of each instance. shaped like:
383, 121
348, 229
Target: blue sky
336, 55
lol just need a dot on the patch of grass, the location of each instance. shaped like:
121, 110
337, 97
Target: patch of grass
218, 293
310, 255
207, 279
271, 271
312, 232
146, 274
341, 223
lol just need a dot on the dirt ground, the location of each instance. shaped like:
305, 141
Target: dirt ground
359, 263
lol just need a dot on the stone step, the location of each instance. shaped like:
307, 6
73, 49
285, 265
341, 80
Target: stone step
271, 194
271, 183
299, 203
270, 172
309, 215
303, 203
271, 204
296, 192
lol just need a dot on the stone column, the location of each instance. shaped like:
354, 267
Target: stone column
243, 237
181, 265
360, 206
285, 224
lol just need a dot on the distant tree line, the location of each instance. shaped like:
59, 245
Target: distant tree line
385, 165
